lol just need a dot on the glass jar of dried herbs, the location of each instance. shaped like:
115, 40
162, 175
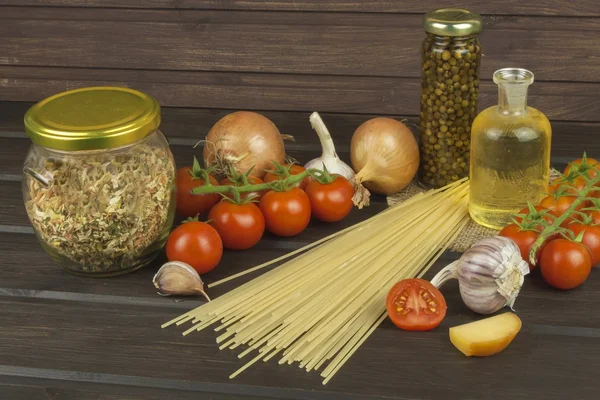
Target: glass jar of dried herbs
451, 56
99, 179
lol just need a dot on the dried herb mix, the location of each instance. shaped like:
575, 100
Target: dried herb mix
104, 212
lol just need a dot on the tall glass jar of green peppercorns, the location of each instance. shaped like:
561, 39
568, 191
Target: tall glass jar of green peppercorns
451, 55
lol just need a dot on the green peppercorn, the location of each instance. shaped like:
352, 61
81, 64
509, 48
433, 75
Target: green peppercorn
448, 103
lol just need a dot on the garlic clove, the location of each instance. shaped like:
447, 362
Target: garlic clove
329, 157
178, 278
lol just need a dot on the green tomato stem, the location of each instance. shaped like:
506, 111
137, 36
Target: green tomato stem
275, 185
555, 226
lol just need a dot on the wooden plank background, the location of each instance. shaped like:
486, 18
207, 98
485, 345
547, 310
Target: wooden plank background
345, 57
349, 60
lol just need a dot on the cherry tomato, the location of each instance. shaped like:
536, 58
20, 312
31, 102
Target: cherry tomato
567, 187
595, 215
190, 205
252, 180
294, 170
240, 225
575, 165
197, 244
415, 305
330, 202
524, 239
539, 227
565, 264
558, 206
286, 213
591, 238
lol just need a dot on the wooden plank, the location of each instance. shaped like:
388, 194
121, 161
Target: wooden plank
28, 272
21, 250
574, 101
40, 389
569, 140
185, 126
281, 43
507, 7
112, 343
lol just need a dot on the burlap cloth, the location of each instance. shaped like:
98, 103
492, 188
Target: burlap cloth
472, 231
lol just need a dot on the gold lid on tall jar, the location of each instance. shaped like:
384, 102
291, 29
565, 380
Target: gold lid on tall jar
452, 22
92, 118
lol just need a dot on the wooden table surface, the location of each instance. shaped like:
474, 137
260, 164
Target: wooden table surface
67, 337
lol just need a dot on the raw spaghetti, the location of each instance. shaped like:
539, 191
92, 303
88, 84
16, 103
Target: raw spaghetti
318, 308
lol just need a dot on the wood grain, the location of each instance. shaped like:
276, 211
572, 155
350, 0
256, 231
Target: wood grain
18, 241
382, 45
508, 7
185, 126
65, 337
45, 280
96, 347
350, 95
32, 389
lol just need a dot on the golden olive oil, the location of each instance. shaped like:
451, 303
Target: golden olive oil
510, 153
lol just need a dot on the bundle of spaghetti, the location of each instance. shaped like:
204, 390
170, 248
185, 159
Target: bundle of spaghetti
321, 306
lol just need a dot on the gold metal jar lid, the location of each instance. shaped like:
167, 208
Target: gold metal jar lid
452, 22
92, 118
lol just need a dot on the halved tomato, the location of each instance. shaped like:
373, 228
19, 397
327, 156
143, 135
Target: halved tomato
415, 305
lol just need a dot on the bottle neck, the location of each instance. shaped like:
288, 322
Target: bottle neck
512, 98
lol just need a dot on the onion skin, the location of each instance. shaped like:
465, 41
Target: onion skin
385, 156
244, 140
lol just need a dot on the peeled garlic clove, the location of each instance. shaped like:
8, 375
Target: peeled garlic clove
178, 278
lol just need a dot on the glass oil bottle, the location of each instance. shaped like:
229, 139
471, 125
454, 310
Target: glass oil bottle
510, 153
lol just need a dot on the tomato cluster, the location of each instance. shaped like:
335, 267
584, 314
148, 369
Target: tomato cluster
240, 223
570, 251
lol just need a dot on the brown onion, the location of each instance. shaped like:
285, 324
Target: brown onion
244, 140
385, 156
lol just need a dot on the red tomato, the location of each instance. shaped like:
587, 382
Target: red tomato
240, 225
558, 206
574, 187
190, 205
524, 239
286, 213
415, 305
565, 264
591, 238
595, 215
252, 180
330, 202
577, 163
539, 227
197, 244
294, 170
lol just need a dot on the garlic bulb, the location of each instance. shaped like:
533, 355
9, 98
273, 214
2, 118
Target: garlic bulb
178, 278
490, 274
329, 158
